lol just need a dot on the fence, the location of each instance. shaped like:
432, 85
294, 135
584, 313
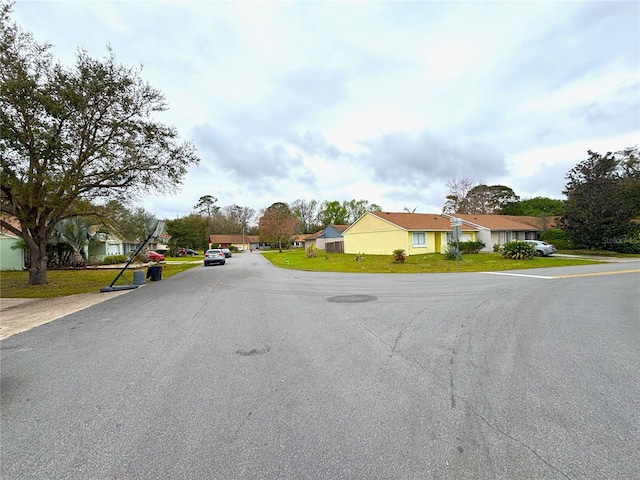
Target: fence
334, 247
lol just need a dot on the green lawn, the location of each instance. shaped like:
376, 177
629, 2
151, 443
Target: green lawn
70, 282
430, 263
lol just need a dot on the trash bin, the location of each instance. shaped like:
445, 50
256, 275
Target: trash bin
138, 277
154, 272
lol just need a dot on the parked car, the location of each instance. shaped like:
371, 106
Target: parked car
226, 251
155, 256
186, 251
213, 256
543, 249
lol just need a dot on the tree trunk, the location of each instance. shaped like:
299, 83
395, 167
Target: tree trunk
39, 259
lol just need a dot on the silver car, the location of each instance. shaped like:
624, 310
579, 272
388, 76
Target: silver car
543, 249
212, 256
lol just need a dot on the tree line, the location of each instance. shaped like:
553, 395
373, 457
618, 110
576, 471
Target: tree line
80, 143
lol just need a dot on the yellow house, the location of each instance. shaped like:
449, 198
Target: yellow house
380, 233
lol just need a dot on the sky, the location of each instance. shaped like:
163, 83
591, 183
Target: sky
384, 101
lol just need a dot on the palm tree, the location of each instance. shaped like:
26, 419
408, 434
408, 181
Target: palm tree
75, 232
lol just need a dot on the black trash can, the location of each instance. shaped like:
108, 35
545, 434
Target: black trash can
154, 272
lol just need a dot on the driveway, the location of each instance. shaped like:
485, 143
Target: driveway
22, 314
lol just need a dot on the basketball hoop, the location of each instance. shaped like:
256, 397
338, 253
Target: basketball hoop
159, 229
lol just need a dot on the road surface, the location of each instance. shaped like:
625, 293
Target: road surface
247, 371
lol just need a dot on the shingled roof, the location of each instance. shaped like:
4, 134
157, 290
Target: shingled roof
416, 221
505, 222
234, 239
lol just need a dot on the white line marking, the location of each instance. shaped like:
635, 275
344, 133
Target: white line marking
518, 275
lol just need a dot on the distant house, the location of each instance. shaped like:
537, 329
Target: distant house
500, 229
246, 242
12, 257
298, 241
328, 239
104, 245
380, 233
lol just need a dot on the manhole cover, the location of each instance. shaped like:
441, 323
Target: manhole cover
352, 298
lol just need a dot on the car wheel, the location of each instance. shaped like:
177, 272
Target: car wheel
540, 253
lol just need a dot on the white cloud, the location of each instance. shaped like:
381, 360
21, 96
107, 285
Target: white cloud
384, 101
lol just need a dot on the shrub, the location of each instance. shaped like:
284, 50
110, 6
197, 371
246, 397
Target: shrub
451, 253
629, 244
359, 257
94, 261
114, 259
517, 250
312, 251
557, 238
399, 255
496, 247
472, 246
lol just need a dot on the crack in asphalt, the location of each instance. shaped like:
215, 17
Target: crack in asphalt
447, 385
404, 328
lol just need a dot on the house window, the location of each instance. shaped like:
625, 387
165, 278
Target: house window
419, 239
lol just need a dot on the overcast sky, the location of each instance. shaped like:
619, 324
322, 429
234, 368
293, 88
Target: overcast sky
382, 101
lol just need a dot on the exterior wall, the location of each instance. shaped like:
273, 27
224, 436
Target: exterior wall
104, 246
433, 243
375, 243
10, 259
98, 250
508, 236
487, 237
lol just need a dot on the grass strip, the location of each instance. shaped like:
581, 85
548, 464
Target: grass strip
429, 263
70, 282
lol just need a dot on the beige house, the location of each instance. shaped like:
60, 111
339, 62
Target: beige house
242, 242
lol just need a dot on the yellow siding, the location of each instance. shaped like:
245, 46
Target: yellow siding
374, 236
435, 243
375, 243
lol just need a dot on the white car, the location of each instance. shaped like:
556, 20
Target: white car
543, 249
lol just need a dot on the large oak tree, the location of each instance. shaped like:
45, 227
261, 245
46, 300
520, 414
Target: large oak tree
72, 134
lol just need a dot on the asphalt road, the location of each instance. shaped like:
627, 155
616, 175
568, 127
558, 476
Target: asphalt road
247, 371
